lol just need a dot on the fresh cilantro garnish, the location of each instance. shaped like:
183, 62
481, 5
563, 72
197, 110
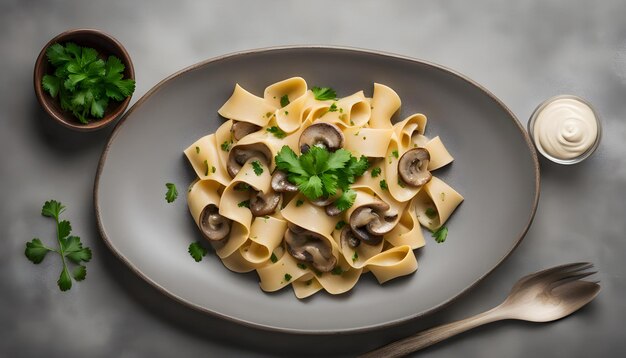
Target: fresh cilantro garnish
256, 166
284, 101
337, 270
277, 132
395, 154
340, 224
333, 107
299, 202
287, 277
440, 234
245, 203
431, 213
355, 257
376, 172
302, 266
70, 247
324, 93
226, 145
83, 82
346, 200
320, 173
273, 258
172, 193
383, 184
197, 251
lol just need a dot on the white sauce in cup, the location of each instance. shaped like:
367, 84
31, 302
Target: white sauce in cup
565, 128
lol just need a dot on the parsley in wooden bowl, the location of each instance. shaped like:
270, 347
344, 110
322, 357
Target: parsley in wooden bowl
84, 79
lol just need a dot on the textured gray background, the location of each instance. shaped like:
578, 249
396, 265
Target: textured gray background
523, 52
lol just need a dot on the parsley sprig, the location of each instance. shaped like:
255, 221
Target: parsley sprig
70, 247
84, 82
320, 173
324, 93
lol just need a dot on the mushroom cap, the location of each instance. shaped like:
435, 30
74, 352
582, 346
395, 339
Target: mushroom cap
280, 183
413, 167
332, 210
370, 222
322, 200
264, 203
214, 226
241, 129
348, 238
310, 247
323, 134
239, 155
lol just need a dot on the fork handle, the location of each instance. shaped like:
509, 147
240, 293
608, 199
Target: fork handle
434, 335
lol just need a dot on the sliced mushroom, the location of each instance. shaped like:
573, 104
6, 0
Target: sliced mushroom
241, 129
239, 155
332, 210
322, 134
309, 246
280, 183
214, 226
413, 167
262, 204
323, 200
348, 238
370, 222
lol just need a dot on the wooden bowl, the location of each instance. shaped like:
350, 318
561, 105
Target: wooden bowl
106, 46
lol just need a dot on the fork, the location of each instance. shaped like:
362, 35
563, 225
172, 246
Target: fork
544, 296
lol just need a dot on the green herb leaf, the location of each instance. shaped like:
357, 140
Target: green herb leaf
287, 160
36, 251
64, 281
172, 192
376, 172
52, 84
52, 209
245, 203
256, 166
73, 249
226, 145
383, 185
355, 257
301, 266
338, 159
287, 277
440, 234
333, 107
299, 202
324, 93
273, 258
346, 200
277, 132
337, 271
340, 224
197, 251
395, 154
284, 100
79, 273
311, 188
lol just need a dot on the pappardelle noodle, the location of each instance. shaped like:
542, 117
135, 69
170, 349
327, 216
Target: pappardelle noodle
312, 191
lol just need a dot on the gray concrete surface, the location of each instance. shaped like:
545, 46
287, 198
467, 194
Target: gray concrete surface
522, 51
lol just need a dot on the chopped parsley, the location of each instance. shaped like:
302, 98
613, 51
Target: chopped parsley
340, 224
245, 203
277, 132
256, 166
171, 193
197, 251
284, 100
287, 277
273, 258
302, 266
440, 234
213, 169
333, 107
299, 202
206, 167
431, 213
226, 145
355, 257
383, 185
324, 93
197, 150
376, 172
395, 154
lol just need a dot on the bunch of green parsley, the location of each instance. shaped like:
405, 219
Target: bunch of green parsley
319, 173
84, 82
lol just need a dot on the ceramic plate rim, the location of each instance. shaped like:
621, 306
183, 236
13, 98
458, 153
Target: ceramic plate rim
357, 51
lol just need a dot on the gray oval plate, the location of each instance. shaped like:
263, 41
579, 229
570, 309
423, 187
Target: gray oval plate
495, 168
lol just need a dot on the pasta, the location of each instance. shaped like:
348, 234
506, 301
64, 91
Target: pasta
259, 218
